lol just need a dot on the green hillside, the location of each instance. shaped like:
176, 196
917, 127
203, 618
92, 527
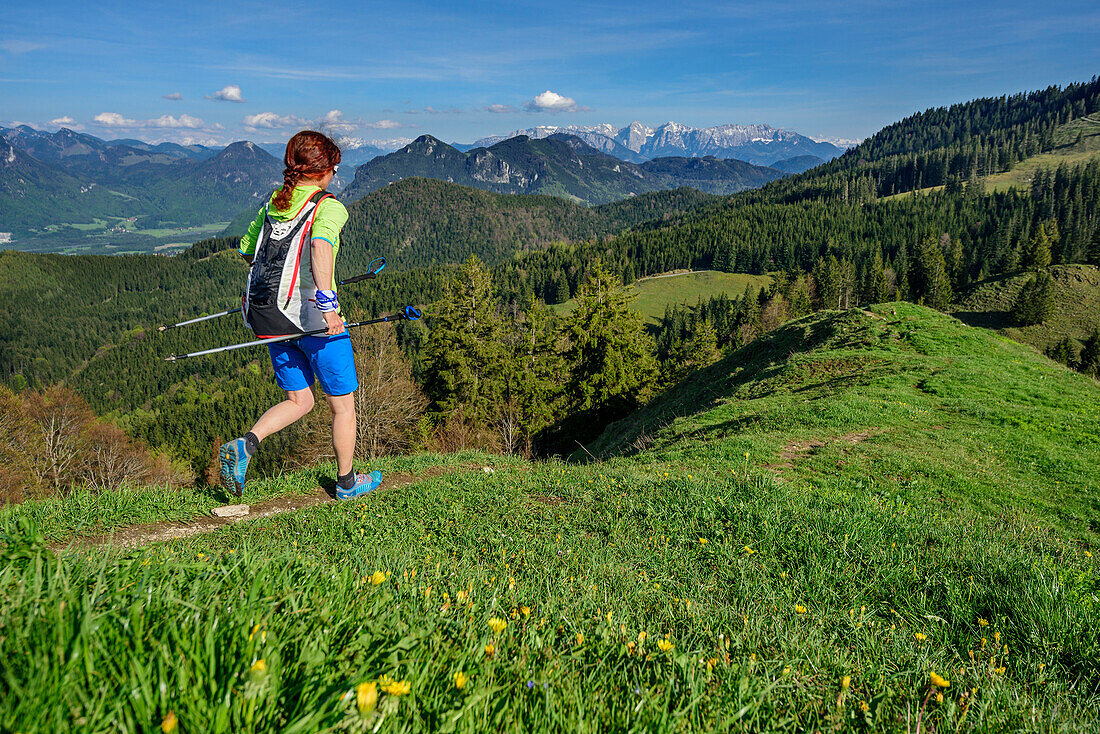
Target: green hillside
796, 538
897, 398
1074, 143
653, 294
1076, 311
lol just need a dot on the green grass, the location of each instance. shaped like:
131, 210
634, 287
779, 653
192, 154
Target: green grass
1076, 311
652, 294
972, 499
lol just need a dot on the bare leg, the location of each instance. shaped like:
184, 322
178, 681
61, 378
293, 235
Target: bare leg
278, 417
343, 430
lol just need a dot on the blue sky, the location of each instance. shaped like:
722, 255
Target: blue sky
224, 71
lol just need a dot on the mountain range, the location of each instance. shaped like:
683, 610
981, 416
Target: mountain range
67, 177
758, 144
558, 165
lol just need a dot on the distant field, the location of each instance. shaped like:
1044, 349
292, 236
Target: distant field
656, 292
112, 236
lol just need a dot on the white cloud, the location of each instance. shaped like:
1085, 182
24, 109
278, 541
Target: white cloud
174, 96
183, 121
552, 102
501, 109
20, 47
272, 121
334, 121
113, 119
230, 93
383, 125
65, 121
186, 122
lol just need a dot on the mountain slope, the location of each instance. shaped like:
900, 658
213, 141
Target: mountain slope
560, 165
35, 194
423, 221
989, 304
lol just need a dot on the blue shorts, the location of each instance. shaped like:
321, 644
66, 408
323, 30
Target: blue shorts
330, 358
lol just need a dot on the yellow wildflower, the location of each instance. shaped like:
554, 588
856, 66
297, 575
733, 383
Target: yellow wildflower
846, 682
580, 639
460, 679
1088, 554
864, 707
641, 637
983, 622
377, 577
937, 680
920, 637
366, 697
783, 575
939, 698
394, 687
749, 550
258, 668
786, 670
490, 649
664, 645
526, 611
170, 723
497, 625
609, 617
799, 609
702, 541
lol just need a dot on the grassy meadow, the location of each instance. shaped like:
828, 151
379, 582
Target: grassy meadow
652, 294
876, 520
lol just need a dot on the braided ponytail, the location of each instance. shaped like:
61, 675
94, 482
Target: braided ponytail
308, 154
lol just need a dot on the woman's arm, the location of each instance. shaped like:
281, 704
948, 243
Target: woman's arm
247, 248
323, 261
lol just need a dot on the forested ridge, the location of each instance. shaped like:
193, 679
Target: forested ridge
827, 236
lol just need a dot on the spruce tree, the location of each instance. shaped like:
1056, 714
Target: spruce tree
931, 285
1038, 255
610, 355
533, 378
465, 358
1089, 361
1035, 302
702, 348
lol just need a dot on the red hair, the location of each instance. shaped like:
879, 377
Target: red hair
308, 154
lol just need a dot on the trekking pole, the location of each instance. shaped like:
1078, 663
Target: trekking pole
410, 313
372, 272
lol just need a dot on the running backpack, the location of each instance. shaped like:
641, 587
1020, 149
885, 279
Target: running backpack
281, 296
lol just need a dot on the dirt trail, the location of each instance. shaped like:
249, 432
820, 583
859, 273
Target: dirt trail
798, 449
137, 535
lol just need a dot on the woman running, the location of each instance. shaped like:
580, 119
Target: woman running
291, 248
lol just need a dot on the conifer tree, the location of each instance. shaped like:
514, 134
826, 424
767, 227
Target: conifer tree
702, 348
533, 379
465, 352
1035, 303
610, 354
930, 284
1090, 354
1038, 255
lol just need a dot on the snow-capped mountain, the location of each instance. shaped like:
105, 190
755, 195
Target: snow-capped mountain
757, 144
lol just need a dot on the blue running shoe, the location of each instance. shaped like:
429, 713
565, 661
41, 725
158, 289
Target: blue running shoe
234, 458
363, 483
